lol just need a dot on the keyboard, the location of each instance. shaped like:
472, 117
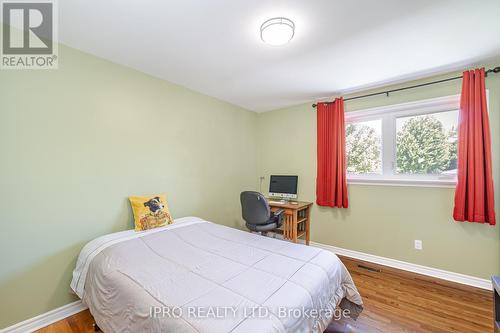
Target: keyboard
277, 202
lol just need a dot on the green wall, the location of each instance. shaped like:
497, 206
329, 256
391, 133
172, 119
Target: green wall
385, 220
75, 142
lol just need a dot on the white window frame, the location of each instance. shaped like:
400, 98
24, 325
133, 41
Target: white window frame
388, 115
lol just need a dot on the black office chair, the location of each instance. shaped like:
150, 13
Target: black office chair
257, 214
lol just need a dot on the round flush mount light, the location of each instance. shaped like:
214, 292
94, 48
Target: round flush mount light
277, 31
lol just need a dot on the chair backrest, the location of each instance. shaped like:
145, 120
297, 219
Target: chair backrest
254, 208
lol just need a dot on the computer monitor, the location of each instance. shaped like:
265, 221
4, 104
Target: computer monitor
283, 186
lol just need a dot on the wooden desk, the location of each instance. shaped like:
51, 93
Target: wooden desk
296, 221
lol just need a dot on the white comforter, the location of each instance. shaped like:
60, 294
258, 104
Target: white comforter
197, 276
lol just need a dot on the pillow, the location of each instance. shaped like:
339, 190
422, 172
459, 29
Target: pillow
150, 211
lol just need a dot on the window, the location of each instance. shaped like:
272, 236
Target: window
411, 144
364, 147
427, 144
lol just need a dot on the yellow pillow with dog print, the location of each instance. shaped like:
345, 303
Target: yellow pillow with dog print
150, 211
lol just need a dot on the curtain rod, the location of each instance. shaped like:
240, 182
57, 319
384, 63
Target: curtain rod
387, 92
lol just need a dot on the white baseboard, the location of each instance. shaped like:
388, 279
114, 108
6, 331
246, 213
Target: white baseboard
406, 266
45, 319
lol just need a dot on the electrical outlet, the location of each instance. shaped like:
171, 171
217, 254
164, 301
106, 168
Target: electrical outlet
418, 244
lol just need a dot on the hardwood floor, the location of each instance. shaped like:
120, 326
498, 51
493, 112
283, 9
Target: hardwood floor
395, 301
79, 323
399, 301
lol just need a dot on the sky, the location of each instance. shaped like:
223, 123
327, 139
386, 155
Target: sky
448, 119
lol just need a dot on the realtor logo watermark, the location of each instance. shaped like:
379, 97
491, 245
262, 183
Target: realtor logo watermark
255, 312
29, 37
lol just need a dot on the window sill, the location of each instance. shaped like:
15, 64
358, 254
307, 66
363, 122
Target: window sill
444, 183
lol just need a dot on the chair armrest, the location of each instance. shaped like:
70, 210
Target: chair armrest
280, 213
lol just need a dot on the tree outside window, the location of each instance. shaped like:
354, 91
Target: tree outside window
427, 144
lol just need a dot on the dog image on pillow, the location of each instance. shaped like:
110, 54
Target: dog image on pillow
156, 217
154, 205
150, 211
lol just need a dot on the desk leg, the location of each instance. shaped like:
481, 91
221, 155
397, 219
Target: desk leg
294, 227
287, 228
308, 225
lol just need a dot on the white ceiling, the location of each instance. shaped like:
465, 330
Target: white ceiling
213, 46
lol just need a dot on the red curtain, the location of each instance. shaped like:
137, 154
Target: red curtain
331, 185
474, 198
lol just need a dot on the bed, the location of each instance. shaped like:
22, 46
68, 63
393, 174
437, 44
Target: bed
197, 276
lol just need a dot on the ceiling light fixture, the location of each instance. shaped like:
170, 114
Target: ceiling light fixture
277, 31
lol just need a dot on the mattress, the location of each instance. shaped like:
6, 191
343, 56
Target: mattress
198, 276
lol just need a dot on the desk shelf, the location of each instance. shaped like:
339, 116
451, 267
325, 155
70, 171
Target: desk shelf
280, 231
